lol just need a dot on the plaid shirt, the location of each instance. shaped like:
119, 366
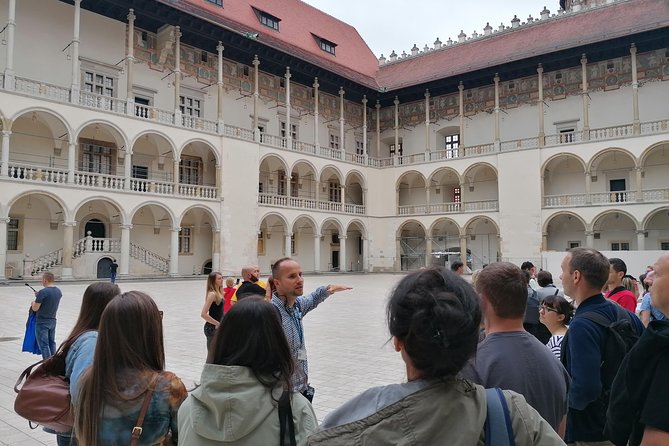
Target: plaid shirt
291, 321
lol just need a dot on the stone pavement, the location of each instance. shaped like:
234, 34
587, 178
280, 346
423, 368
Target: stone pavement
346, 340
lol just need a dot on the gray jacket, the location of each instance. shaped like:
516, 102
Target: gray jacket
441, 413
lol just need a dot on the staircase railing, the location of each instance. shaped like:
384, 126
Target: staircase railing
43, 263
149, 258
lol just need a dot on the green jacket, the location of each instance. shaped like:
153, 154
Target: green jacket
232, 408
451, 413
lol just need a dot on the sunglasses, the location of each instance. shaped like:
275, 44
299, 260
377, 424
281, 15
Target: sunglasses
547, 308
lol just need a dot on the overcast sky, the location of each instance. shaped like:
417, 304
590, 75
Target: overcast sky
388, 25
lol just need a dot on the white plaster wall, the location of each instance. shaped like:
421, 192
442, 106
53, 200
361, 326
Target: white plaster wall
610, 108
561, 110
653, 100
479, 129
520, 122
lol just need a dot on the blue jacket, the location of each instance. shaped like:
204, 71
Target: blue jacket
586, 414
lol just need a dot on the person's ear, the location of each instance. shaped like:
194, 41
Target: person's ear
399, 345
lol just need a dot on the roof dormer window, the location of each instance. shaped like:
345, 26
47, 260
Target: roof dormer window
326, 45
216, 2
268, 20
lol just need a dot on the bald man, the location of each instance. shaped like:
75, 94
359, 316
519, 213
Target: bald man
250, 285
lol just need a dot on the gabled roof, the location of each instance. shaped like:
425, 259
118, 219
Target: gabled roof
541, 37
299, 23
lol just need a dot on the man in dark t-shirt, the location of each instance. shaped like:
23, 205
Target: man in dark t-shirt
250, 287
46, 306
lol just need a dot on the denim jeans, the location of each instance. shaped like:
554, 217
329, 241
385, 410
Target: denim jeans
45, 332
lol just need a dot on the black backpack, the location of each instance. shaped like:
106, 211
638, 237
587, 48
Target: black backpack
620, 338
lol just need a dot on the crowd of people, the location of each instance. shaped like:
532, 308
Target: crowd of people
478, 370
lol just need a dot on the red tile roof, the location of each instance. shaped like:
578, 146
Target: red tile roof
353, 60
541, 37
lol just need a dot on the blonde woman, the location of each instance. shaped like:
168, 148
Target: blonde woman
212, 310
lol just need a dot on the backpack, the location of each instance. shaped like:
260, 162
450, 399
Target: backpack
532, 308
620, 338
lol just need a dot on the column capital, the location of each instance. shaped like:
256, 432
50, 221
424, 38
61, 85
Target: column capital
632, 48
461, 86
128, 227
288, 75
341, 91
364, 100
584, 59
589, 233
378, 104
342, 237
427, 93
316, 84
175, 229
317, 235
4, 220
220, 47
70, 223
641, 232
540, 68
396, 101
6, 132
496, 78
256, 61
131, 15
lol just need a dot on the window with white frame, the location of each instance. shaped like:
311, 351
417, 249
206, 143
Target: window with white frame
457, 197
14, 234
396, 150
190, 106
359, 147
99, 83
293, 130
326, 45
268, 20
185, 240
334, 141
95, 157
452, 145
190, 170
573, 244
334, 192
620, 246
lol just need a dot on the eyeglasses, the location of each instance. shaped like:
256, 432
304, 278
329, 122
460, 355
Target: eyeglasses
547, 308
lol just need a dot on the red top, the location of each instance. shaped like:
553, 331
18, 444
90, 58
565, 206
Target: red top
623, 297
227, 298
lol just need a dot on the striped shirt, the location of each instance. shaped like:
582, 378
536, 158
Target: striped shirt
291, 322
554, 344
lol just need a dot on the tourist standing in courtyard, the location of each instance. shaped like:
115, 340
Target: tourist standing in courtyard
46, 306
638, 407
509, 357
616, 290
585, 271
433, 318
212, 310
555, 312
245, 384
127, 386
79, 347
292, 306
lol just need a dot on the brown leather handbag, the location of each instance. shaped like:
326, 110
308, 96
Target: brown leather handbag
44, 397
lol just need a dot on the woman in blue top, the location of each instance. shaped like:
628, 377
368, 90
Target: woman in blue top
80, 344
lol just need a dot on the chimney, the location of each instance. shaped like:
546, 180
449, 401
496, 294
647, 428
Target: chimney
515, 22
437, 44
462, 36
487, 30
414, 50
393, 56
545, 14
382, 60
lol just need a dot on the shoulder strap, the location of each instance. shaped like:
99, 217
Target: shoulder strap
605, 322
557, 290
498, 429
286, 420
137, 430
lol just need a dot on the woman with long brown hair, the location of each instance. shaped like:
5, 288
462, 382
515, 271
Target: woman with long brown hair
128, 368
79, 346
244, 384
212, 310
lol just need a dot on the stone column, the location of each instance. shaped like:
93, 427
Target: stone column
428, 251
542, 130
68, 248
317, 253
342, 198
365, 255
589, 239
289, 132
343, 267
586, 98
364, 128
378, 128
497, 142
461, 112
427, 123
398, 254
342, 122
427, 198
640, 240
127, 169
71, 161
216, 249
176, 177
177, 76
544, 241
9, 63
286, 245
256, 95
220, 91
174, 252
124, 263
76, 75
639, 183
316, 123
463, 249
588, 187
129, 64
635, 92
4, 158
3, 247
219, 181
396, 128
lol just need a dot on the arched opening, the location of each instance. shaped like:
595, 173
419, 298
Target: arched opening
564, 231
104, 268
96, 228
412, 246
